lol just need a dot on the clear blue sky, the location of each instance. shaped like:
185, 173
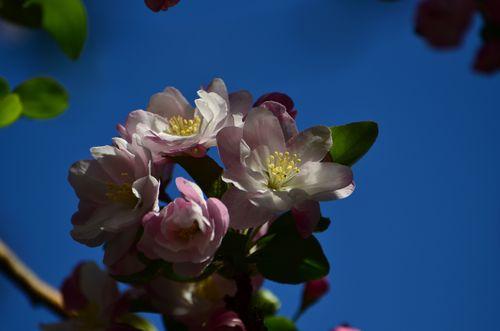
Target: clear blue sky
415, 248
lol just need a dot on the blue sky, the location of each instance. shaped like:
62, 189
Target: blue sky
416, 247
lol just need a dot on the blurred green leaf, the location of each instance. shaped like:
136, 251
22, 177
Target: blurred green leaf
66, 21
279, 323
266, 302
16, 12
10, 109
42, 98
137, 322
205, 172
287, 257
352, 141
4, 87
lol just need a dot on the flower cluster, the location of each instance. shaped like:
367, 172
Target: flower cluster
444, 23
201, 261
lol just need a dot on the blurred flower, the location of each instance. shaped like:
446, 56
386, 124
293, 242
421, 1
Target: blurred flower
271, 176
443, 23
192, 304
116, 189
172, 127
488, 57
157, 5
223, 320
314, 290
345, 328
187, 232
280, 98
91, 295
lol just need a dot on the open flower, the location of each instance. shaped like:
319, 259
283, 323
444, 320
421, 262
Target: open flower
192, 304
187, 232
271, 175
93, 296
170, 126
116, 189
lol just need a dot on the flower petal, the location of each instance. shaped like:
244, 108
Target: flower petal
311, 144
263, 128
306, 215
242, 213
228, 143
170, 103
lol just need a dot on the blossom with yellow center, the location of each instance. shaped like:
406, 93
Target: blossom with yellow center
187, 233
121, 194
281, 167
180, 126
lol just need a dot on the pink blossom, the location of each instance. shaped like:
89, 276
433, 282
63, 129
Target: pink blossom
187, 232
271, 176
92, 294
223, 320
171, 127
443, 23
116, 189
192, 304
280, 98
157, 5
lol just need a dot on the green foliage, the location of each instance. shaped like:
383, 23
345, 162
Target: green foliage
287, 257
279, 323
206, 173
10, 109
266, 302
42, 98
137, 322
4, 87
16, 12
66, 21
352, 141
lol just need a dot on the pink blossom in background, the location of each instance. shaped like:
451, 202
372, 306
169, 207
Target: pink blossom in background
171, 127
271, 175
157, 5
187, 232
280, 98
345, 328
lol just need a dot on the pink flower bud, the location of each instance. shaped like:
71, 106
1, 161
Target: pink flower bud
157, 5
314, 290
280, 98
225, 321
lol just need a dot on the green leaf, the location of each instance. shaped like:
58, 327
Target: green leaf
66, 21
42, 98
352, 141
10, 109
4, 86
287, 257
205, 172
137, 322
279, 323
266, 302
16, 12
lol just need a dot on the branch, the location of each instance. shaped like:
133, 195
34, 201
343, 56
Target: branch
36, 289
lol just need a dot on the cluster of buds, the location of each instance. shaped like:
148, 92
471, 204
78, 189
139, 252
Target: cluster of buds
201, 258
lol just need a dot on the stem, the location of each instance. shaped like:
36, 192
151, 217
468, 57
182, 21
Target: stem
36, 289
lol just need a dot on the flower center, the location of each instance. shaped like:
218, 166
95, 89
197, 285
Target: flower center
180, 126
121, 194
208, 289
187, 233
280, 168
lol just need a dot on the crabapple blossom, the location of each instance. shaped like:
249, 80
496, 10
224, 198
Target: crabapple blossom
280, 98
187, 232
270, 175
93, 296
171, 127
345, 328
116, 189
192, 304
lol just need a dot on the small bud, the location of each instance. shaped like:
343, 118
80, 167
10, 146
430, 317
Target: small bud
345, 327
280, 98
157, 5
314, 290
266, 302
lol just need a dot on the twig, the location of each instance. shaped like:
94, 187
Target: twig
36, 289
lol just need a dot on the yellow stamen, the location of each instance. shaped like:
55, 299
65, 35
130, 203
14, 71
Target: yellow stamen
187, 233
121, 194
180, 126
208, 289
280, 168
